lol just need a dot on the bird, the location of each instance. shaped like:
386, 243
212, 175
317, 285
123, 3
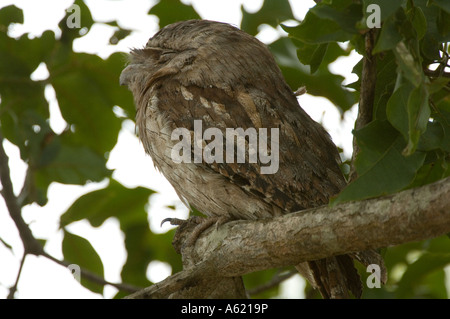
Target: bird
199, 76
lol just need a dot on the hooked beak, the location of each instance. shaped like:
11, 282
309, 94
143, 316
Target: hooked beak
125, 76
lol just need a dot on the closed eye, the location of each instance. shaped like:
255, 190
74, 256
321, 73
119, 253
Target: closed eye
166, 56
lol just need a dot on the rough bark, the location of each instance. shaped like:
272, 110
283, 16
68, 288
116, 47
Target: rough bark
241, 247
367, 94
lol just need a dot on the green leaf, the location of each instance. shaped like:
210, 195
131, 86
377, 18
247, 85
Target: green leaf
316, 30
305, 51
418, 116
21, 114
438, 85
312, 55
318, 56
430, 173
334, 51
389, 36
408, 111
433, 137
10, 14
20, 57
381, 167
385, 82
443, 118
429, 47
170, 11
272, 12
438, 245
444, 4
432, 14
443, 23
345, 13
417, 277
119, 35
409, 64
87, 88
113, 201
70, 165
397, 255
128, 206
77, 250
397, 109
419, 21
322, 83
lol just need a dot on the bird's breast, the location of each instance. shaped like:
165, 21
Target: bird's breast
206, 190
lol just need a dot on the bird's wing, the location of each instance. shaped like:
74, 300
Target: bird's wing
308, 173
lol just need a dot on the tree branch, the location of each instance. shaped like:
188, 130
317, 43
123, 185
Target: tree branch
242, 247
367, 94
13, 289
30, 243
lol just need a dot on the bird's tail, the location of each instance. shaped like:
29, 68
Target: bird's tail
336, 277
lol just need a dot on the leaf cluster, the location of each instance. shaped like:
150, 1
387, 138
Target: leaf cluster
407, 142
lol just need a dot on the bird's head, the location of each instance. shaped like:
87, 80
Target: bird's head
203, 53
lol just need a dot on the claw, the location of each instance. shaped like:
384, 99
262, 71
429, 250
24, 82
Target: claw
202, 225
205, 224
222, 220
173, 221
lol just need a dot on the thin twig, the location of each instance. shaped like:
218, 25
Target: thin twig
13, 289
436, 73
275, 281
94, 277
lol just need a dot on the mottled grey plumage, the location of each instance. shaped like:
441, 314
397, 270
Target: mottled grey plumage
214, 72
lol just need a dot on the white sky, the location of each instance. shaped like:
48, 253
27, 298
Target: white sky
42, 278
